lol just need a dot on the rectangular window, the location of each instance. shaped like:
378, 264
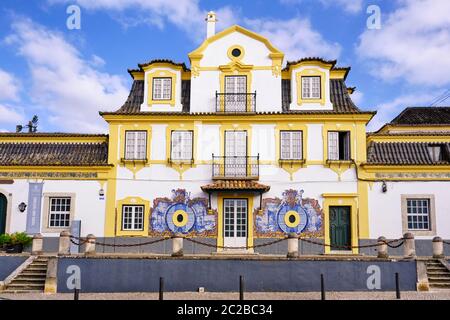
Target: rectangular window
338, 145
182, 145
135, 145
311, 88
59, 212
162, 88
132, 217
436, 153
291, 145
418, 213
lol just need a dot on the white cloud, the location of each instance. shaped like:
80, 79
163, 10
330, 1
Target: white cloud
357, 97
10, 114
388, 110
350, 6
67, 88
9, 87
296, 38
413, 43
185, 14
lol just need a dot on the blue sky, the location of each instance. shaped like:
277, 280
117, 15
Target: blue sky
67, 76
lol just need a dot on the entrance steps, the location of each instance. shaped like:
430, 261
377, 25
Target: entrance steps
31, 279
438, 275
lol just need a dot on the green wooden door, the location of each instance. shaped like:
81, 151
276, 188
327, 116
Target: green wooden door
340, 228
2, 214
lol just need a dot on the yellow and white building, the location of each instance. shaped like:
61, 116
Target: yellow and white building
236, 149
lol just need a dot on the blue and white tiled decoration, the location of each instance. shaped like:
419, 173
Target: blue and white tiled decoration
180, 214
291, 214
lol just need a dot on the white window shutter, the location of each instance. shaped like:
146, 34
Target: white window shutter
333, 145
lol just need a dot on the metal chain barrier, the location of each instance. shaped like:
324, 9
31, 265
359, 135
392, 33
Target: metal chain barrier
446, 242
388, 243
81, 241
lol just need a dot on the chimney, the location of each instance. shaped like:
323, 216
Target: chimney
210, 24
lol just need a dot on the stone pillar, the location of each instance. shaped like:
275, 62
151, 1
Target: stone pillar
438, 248
89, 247
382, 248
292, 245
177, 245
409, 245
37, 245
64, 243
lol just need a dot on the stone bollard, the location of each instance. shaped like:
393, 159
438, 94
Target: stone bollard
438, 248
37, 245
382, 248
177, 245
89, 247
64, 243
292, 245
409, 245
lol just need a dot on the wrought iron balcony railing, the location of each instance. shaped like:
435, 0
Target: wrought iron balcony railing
235, 167
235, 102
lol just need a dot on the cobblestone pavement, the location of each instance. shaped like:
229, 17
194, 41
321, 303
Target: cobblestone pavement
434, 295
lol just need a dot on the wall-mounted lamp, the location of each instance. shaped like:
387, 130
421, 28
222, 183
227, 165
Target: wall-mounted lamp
22, 207
384, 187
101, 194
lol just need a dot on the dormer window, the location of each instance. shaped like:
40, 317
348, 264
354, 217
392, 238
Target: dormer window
436, 152
162, 89
311, 88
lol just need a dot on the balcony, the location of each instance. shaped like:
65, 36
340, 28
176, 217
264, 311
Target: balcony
236, 102
235, 167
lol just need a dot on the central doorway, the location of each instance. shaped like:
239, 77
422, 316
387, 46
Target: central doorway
235, 213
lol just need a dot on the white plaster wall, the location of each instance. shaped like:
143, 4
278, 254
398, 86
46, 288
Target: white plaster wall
158, 142
385, 215
266, 85
255, 52
88, 207
315, 142
163, 107
263, 141
310, 106
208, 141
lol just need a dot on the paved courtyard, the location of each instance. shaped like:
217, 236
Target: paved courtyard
433, 295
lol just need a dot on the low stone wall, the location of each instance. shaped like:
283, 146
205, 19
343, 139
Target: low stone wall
9, 263
219, 274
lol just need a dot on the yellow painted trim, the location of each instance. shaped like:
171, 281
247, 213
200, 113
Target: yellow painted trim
389, 128
340, 199
181, 166
136, 165
236, 127
161, 74
293, 167
132, 201
230, 55
250, 220
338, 74
137, 75
162, 65
255, 118
236, 69
50, 139
311, 72
111, 187
175, 220
230, 30
405, 138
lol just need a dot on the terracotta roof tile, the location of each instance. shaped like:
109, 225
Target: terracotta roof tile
235, 185
423, 116
405, 153
53, 154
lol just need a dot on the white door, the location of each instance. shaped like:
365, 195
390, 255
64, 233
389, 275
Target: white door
235, 93
235, 223
235, 154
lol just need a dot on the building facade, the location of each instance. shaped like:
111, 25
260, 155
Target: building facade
236, 150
